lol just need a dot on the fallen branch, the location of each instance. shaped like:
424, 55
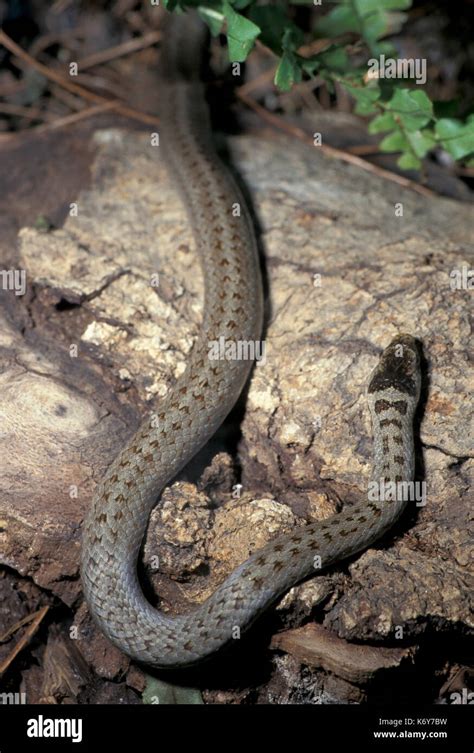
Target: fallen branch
36, 620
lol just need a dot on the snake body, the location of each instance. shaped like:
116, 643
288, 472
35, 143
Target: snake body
198, 403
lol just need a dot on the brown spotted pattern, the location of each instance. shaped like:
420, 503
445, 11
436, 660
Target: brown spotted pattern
196, 406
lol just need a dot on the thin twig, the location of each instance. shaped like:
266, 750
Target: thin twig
282, 125
133, 45
32, 113
65, 97
87, 112
263, 78
4, 637
53, 75
363, 149
36, 620
67, 120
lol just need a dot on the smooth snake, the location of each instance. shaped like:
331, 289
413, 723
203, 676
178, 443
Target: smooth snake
201, 398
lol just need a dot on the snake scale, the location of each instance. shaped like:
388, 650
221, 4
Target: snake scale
200, 400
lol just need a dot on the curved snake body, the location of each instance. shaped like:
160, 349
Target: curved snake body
200, 400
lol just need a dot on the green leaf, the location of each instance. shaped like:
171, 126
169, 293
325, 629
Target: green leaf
310, 65
372, 19
373, 27
364, 7
288, 72
339, 21
383, 122
213, 18
421, 141
335, 59
378, 19
385, 48
366, 95
408, 161
241, 34
292, 38
413, 107
394, 142
456, 137
394, 23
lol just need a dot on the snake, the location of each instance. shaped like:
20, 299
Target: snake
201, 398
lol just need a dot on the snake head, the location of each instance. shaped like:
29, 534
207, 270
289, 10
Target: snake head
398, 368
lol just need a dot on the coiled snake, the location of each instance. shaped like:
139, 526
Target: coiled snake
200, 400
